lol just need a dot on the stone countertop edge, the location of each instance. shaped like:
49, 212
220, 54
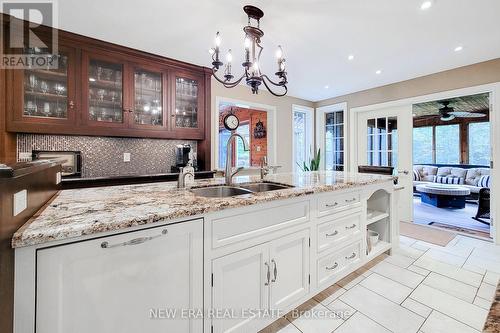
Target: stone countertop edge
492, 324
82, 212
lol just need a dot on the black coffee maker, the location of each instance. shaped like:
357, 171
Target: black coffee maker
181, 156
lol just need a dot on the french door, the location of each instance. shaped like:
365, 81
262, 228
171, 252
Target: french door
384, 138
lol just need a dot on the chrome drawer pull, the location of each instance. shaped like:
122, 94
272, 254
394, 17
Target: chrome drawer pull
332, 267
350, 200
135, 241
352, 256
332, 205
275, 270
351, 227
335, 233
268, 274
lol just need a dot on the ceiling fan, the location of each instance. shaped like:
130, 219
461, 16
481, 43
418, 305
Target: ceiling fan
448, 113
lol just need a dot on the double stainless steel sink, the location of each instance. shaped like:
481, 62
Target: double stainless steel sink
223, 191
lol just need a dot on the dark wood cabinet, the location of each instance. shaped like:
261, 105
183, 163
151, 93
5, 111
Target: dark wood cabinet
110, 90
105, 92
44, 98
188, 103
150, 88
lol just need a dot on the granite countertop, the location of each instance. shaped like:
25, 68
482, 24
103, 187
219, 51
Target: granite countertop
79, 212
493, 321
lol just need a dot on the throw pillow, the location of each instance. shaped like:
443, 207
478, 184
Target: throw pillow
450, 180
484, 181
416, 175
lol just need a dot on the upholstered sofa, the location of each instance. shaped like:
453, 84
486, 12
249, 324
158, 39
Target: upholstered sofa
473, 178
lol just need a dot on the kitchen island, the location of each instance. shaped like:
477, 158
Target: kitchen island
120, 258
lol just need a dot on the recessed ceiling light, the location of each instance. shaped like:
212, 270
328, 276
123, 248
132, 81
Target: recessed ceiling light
350, 57
426, 5
459, 48
378, 72
326, 87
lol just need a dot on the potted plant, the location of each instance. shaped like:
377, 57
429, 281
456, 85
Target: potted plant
313, 163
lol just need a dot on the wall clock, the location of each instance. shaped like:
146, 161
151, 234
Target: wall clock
231, 122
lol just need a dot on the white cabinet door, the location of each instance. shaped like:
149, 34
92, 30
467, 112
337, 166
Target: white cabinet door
289, 259
240, 282
121, 283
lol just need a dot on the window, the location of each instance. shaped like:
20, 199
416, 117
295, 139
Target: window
334, 140
224, 135
302, 136
479, 143
382, 141
242, 156
422, 145
447, 144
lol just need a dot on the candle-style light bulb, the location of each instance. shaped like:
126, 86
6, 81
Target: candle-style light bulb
256, 67
279, 52
229, 56
247, 43
281, 60
217, 39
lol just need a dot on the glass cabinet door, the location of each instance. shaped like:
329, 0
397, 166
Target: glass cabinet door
46, 90
148, 98
105, 91
187, 103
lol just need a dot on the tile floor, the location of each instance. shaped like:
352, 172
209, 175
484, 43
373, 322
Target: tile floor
420, 288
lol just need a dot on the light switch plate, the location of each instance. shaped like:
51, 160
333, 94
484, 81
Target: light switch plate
20, 202
58, 178
126, 157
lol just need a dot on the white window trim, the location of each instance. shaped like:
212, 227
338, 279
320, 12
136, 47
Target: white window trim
309, 112
320, 130
493, 89
271, 127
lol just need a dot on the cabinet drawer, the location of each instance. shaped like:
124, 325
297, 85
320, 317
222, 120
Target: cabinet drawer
331, 265
334, 232
234, 228
329, 204
351, 254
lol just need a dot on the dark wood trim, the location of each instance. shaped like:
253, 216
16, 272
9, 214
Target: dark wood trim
41, 187
204, 146
7, 139
464, 143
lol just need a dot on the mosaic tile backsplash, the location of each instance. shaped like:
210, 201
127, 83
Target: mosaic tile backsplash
103, 156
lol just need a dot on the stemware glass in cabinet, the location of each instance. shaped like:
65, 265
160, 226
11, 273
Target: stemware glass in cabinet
186, 103
148, 96
46, 90
105, 91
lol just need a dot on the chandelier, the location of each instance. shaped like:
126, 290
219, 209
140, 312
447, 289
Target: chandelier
252, 75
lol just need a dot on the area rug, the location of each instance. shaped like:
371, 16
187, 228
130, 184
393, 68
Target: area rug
461, 229
426, 234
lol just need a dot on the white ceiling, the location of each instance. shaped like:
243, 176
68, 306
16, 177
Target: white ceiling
394, 36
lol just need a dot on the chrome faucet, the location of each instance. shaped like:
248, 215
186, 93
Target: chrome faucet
265, 168
229, 159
